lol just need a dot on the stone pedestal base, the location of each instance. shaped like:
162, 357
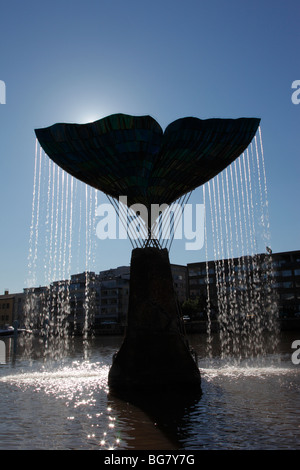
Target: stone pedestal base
155, 354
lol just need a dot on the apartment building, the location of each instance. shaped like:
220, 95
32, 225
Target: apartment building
218, 279
11, 308
286, 272
95, 301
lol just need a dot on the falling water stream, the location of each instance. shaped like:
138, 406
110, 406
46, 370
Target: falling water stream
238, 222
236, 233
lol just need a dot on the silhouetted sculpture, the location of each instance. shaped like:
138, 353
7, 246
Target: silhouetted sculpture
132, 156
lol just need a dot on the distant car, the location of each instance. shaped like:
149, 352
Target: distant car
186, 318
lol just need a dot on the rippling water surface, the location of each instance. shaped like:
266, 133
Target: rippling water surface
64, 403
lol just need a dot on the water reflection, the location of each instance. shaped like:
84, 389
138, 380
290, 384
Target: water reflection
163, 411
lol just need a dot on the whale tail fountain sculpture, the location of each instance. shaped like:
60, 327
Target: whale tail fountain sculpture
132, 156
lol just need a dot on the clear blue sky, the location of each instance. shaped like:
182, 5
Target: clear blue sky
76, 61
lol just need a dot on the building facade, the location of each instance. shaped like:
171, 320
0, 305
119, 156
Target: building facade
286, 272
11, 309
180, 280
96, 301
241, 280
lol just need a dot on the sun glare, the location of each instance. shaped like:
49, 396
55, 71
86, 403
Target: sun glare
87, 118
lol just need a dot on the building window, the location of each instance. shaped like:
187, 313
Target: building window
286, 273
193, 272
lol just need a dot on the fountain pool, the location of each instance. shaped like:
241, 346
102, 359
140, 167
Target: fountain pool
64, 403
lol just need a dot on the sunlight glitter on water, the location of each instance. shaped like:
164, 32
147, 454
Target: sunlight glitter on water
65, 382
236, 371
257, 367
81, 388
